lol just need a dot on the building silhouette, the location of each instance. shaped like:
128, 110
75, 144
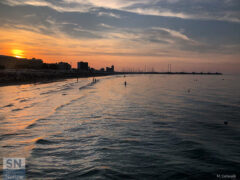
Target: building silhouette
83, 66
110, 69
64, 66
9, 62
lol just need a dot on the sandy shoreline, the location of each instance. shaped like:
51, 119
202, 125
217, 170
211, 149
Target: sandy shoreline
30, 76
18, 77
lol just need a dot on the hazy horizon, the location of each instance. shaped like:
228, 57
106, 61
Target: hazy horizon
190, 35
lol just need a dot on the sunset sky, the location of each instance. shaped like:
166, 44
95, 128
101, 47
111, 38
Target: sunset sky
192, 35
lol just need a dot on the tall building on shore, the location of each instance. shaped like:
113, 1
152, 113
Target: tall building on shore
64, 66
83, 66
110, 69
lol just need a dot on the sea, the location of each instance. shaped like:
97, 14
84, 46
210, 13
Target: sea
155, 127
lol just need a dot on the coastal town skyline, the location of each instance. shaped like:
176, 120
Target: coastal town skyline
133, 34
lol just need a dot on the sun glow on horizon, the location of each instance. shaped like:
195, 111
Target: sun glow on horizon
18, 53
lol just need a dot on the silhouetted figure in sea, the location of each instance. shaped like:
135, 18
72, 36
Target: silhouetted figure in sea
94, 80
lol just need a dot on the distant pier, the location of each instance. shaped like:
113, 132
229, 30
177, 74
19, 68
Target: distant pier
173, 73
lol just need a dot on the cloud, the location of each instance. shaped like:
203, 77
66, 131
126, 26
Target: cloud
121, 32
227, 10
109, 14
61, 6
227, 16
173, 33
106, 26
156, 12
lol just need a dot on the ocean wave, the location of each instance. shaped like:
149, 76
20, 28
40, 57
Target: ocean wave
17, 109
6, 106
43, 141
68, 103
89, 85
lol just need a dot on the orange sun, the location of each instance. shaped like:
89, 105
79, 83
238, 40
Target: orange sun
18, 53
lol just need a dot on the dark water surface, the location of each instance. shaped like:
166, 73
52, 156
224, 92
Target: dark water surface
157, 127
